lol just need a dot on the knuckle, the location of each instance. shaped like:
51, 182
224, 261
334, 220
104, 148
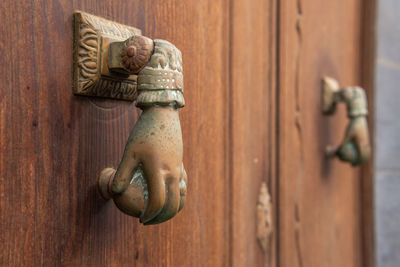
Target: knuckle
182, 188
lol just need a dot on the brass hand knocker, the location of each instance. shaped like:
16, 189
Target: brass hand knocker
150, 182
355, 147
115, 61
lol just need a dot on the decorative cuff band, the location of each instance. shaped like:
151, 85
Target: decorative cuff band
160, 79
160, 82
352, 113
160, 97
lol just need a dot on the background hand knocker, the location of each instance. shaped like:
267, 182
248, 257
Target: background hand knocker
355, 147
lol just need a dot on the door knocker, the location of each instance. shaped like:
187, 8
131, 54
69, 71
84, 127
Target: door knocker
116, 61
355, 147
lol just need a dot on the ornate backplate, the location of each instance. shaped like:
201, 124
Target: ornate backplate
264, 217
92, 36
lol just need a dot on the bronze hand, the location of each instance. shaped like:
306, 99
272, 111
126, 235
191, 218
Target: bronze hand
155, 145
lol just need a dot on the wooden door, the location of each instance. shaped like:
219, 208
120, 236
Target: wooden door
324, 204
251, 71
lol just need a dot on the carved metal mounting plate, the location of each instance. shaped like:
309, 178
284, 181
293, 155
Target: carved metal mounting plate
264, 217
92, 38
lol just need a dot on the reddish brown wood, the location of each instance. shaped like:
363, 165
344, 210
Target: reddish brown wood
319, 199
253, 123
367, 75
252, 115
54, 144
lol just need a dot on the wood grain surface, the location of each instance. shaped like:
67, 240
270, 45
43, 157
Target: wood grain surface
252, 73
319, 198
367, 81
54, 144
253, 123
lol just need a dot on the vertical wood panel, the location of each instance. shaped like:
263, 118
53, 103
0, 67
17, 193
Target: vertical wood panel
253, 109
318, 198
367, 81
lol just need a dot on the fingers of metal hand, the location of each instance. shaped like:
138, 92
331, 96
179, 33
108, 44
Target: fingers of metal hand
365, 152
183, 188
364, 148
348, 152
156, 188
182, 203
132, 201
350, 133
171, 205
355, 147
176, 196
124, 174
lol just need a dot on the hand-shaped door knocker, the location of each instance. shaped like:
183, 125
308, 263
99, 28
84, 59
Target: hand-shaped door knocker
150, 181
115, 61
355, 147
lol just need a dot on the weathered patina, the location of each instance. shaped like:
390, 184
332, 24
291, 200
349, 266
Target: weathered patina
355, 147
150, 182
